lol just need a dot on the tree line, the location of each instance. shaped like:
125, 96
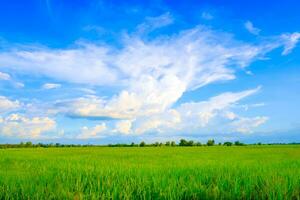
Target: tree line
181, 143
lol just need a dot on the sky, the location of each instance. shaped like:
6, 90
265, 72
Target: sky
99, 72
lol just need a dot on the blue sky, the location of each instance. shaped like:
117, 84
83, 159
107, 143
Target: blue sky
115, 71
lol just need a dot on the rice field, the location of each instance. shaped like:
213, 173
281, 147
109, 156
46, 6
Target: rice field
218, 172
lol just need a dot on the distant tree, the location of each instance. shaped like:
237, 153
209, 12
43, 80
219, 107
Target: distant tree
132, 144
259, 143
198, 144
173, 143
190, 143
28, 144
220, 144
156, 144
238, 143
183, 142
210, 143
227, 144
168, 143
142, 144
21, 144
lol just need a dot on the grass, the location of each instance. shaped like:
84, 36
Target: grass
248, 172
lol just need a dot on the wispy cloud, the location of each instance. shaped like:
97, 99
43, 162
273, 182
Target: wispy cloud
251, 28
4, 76
290, 41
152, 23
49, 86
7, 77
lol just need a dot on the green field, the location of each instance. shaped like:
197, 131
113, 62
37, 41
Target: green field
247, 172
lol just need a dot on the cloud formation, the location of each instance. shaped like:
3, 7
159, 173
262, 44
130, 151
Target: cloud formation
7, 105
151, 76
94, 132
290, 40
19, 126
250, 27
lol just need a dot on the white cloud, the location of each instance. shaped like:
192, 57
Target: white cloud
246, 125
7, 105
205, 110
85, 64
193, 115
7, 77
123, 127
290, 41
49, 86
4, 76
19, 84
250, 27
94, 132
169, 120
152, 23
16, 125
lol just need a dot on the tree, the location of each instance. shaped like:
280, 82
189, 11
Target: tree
168, 143
190, 143
142, 144
173, 143
198, 144
28, 144
238, 143
227, 144
210, 143
183, 142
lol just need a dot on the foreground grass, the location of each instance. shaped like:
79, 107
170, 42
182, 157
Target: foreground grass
251, 172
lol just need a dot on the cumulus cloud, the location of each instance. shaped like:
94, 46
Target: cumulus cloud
250, 27
246, 125
123, 127
16, 125
94, 132
194, 115
155, 74
7, 105
49, 86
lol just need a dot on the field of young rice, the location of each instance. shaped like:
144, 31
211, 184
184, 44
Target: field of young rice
218, 172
